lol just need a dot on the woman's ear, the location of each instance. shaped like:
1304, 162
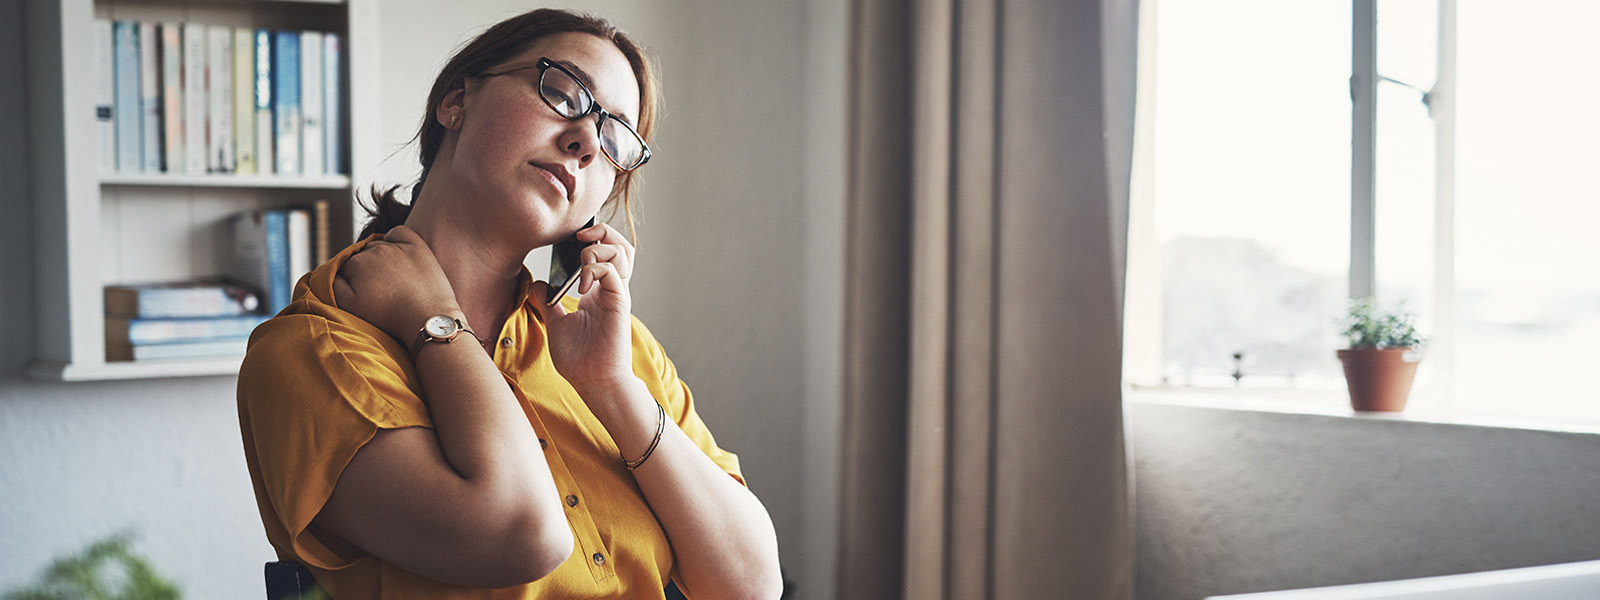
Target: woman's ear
449, 112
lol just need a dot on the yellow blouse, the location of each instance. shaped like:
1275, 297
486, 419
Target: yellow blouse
318, 383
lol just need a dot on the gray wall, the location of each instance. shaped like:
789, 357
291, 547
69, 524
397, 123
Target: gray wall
738, 277
1233, 501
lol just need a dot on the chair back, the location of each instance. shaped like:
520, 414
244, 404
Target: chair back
292, 581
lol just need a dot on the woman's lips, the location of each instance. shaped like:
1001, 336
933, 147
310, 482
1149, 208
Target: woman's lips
557, 176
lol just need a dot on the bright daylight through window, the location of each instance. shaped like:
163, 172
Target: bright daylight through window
1240, 225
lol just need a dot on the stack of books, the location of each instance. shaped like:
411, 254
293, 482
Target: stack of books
179, 320
190, 98
269, 250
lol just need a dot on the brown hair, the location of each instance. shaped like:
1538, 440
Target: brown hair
500, 43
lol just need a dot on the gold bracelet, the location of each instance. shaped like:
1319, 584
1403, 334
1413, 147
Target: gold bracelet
661, 425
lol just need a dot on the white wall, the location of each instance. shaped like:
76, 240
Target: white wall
1234, 501
738, 277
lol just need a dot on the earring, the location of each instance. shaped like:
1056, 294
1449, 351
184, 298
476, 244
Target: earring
453, 119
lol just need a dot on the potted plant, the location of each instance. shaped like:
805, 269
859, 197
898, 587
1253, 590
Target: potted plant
1382, 358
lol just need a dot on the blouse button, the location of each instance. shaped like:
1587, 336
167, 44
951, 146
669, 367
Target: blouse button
543, 444
599, 558
572, 500
506, 341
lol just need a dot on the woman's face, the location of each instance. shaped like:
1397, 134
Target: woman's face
539, 174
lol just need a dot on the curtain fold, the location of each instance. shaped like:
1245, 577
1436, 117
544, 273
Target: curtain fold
989, 161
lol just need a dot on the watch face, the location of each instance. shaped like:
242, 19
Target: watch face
440, 326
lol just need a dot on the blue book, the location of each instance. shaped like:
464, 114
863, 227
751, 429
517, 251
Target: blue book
138, 332
130, 140
263, 102
331, 119
150, 97
286, 100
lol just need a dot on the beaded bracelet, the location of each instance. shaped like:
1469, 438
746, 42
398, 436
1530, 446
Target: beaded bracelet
661, 425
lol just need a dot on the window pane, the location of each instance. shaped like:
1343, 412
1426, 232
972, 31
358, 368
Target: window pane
1251, 188
1527, 205
1405, 197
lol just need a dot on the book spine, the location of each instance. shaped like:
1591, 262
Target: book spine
244, 100
265, 162
300, 243
311, 109
194, 98
278, 274
332, 110
249, 252
286, 100
105, 98
219, 89
130, 157
320, 229
163, 331
180, 302
174, 159
200, 349
150, 97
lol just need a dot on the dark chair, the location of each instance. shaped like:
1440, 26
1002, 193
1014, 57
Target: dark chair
292, 581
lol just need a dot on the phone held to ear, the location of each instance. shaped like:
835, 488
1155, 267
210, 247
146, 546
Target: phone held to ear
564, 258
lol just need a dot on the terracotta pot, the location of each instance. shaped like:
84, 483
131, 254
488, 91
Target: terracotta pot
1379, 380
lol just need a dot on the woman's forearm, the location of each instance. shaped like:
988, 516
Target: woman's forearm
482, 429
721, 534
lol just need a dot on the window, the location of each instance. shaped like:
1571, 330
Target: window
1240, 237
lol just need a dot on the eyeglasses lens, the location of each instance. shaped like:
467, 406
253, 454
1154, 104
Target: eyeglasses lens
571, 100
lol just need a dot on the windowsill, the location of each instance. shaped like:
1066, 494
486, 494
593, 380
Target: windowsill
1331, 404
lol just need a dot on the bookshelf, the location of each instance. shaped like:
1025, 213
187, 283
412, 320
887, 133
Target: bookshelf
94, 228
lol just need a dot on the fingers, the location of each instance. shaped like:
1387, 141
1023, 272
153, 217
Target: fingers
606, 235
606, 253
603, 272
401, 234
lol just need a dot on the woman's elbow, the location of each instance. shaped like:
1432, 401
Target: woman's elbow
534, 553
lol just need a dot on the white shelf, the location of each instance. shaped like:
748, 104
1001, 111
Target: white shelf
144, 369
93, 228
327, 182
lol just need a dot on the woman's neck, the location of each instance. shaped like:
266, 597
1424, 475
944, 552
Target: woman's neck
483, 277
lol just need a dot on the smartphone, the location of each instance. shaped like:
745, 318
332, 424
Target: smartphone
564, 258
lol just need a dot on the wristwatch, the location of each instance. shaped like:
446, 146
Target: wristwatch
440, 329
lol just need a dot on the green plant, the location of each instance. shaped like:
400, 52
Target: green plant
84, 576
1366, 326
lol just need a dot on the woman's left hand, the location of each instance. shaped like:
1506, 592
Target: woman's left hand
592, 346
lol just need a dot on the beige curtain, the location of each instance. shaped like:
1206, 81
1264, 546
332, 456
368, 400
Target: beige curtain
989, 161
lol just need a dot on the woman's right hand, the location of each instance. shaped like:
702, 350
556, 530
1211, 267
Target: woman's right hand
395, 284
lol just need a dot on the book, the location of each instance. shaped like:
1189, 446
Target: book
286, 100
196, 349
260, 255
320, 230
297, 228
149, 98
181, 299
138, 332
265, 162
194, 98
172, 154
244, 100
130, 144
219, 98
105, 94
311, 103
332, 111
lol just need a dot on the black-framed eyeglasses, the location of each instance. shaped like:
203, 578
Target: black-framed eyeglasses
565, 94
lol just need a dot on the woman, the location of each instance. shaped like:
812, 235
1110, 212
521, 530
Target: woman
420, 424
